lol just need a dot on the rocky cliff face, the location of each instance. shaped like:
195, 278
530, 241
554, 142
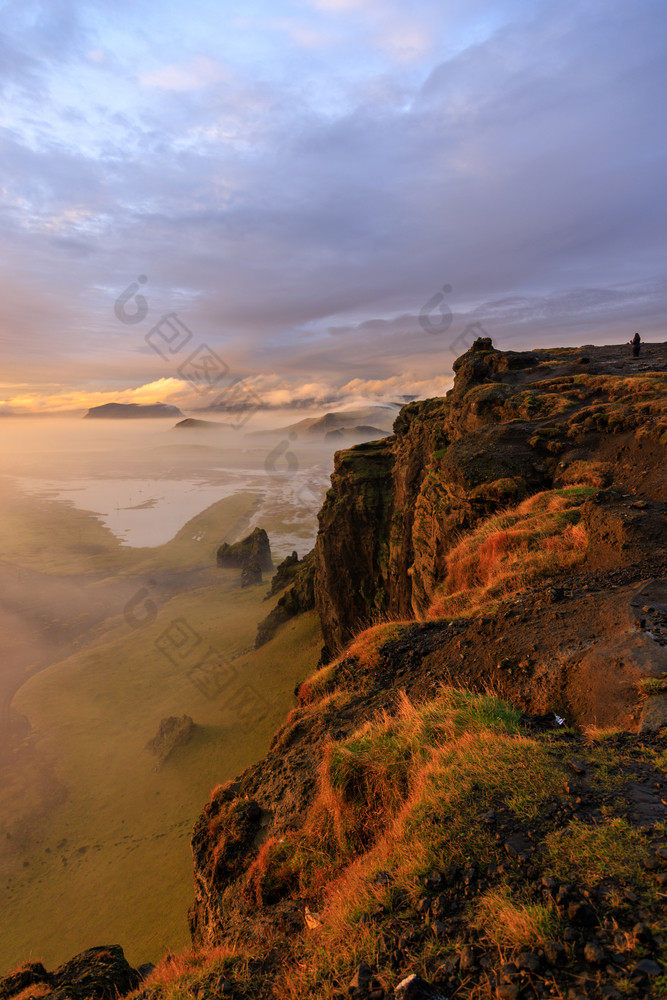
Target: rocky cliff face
556, 458
514, 424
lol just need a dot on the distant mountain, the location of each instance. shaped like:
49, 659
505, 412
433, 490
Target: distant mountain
133, 411
192, 423
369, 417
360, 432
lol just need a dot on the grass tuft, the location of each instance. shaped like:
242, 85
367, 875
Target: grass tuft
512, 925
541, 538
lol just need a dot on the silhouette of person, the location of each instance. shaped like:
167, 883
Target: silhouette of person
636, 345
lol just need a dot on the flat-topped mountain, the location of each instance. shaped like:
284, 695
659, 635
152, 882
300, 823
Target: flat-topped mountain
133, 411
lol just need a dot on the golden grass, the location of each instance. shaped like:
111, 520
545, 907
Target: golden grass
193, 972
33, 992
317, 685
454, 775
511, 925
540, 538
366, 645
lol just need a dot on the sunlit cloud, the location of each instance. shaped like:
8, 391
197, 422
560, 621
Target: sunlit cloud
161, 391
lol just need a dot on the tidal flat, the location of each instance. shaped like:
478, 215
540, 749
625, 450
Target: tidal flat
94, 841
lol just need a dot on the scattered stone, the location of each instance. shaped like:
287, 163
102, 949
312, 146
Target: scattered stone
223, 987
467, 959
593, 953
508, 972
576, 766
416, 988
518, 846
507, 991
581, 914
529, 961
361, 980
554, 952
440, 906
313, 920
641, 934
647, 967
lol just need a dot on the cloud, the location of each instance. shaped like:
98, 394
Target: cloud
195, 74
296, 190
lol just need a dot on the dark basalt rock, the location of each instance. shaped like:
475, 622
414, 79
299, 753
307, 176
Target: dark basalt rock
27, 975
416, 988
298, 598
251, 574
101, 973
254, 547
285, 574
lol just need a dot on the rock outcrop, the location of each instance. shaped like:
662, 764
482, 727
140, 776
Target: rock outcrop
514, 424
96, 974
251, 574
285, 573
254, 547
174, 731
299, 597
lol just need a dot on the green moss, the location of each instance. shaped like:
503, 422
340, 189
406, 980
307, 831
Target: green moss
589, 854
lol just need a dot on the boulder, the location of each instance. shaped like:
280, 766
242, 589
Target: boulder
101, 973
174, 731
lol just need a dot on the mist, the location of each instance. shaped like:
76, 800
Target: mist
142, 480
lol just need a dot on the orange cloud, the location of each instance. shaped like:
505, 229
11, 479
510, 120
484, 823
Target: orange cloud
160, 391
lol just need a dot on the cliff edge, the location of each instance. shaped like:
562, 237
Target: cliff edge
514, 424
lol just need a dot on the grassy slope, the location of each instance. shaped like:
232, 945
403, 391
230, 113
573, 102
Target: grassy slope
109, 859
400, 801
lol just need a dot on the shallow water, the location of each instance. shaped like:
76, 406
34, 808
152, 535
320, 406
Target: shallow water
144, 481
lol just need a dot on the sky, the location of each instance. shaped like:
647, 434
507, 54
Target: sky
327, 199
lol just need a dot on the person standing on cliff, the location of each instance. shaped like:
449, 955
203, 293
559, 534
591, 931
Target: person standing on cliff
636, 344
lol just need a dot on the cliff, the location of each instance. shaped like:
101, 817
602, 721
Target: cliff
474, 785
514, 424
